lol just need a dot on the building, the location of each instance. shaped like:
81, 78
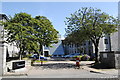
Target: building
2, 47
105, 43
118, 38
84, 48
110, 48
6, 50
55, 50
111, 42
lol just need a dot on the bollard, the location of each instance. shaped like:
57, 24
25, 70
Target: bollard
41, 62
78, 62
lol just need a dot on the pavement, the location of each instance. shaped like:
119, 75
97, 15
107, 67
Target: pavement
87, 64
102, 71
57, 67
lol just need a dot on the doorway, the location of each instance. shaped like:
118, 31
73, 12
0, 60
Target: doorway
46, 53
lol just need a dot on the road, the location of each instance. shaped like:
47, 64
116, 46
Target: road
66, 73
61, 69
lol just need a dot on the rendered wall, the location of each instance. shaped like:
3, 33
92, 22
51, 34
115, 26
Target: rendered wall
57, 49
119, 26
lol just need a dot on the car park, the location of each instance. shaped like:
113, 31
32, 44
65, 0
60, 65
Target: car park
76, 54
66, 56
71, 55
42, 57
37, 57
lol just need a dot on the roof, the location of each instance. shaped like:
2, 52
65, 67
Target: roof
4, 16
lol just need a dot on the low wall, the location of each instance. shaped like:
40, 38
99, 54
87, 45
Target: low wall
110, 59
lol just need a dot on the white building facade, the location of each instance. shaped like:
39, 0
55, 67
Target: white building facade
5, 48
113, 41
84, 48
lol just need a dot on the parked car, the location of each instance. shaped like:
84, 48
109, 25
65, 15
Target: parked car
37, 57
75, 54
42, 57
66, 56
71, 55
34, 56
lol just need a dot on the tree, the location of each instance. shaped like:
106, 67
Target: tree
90, 24
46, 33
30, 34
73, 37
19, 30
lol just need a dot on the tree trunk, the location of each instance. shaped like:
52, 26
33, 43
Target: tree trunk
96, 54
39, 51
96, 44
20, 56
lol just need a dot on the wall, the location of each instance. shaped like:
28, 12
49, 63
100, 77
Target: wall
110, 59
114, 41
107, 59
119, 26
2, 50
1, 60
57, 49
86, 47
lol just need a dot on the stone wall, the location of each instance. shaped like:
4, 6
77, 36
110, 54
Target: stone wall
117, 60
110, 59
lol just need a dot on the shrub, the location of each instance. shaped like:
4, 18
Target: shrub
49, 55
29, 55
85, 57
92, 58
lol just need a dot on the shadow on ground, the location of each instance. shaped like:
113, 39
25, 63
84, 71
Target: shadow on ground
56, 66
100, 66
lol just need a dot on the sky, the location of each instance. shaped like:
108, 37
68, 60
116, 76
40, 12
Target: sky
56, 12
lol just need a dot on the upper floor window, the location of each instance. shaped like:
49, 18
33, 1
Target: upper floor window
106, 41
89, 42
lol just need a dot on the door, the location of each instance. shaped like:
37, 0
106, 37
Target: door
46, 53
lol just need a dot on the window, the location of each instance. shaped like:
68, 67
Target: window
72, 45
106, 41
75, 52
89, 42
84, 43
77, 45
89, 51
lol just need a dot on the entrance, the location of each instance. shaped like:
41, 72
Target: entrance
46, 53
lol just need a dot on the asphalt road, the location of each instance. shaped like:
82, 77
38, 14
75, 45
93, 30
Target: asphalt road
64, 69
60, 69
66, 73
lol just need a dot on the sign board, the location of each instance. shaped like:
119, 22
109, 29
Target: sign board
18, 65
104, 55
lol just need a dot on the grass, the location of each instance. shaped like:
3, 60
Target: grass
40, 61
25, 58
35, 60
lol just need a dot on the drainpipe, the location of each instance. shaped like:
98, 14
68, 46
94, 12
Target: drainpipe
110, 42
